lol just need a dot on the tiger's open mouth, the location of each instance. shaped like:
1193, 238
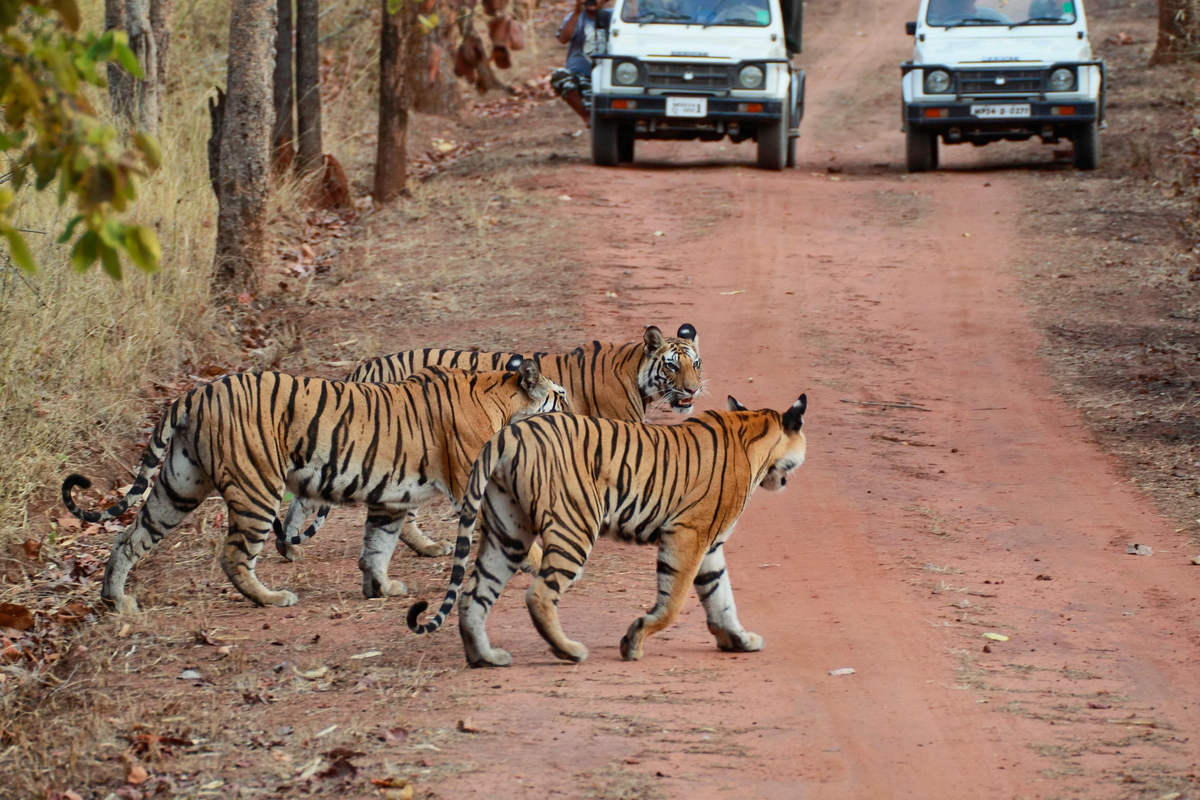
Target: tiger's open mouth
680, 403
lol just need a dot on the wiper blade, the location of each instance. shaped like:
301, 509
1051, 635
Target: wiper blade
1038, 20
973, 21
661, 16
736, 21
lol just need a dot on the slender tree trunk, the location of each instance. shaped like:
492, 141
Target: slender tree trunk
160, 24
245, 149
141, 41
308, 85
1178, 32
283, 134
120, 82
391, 157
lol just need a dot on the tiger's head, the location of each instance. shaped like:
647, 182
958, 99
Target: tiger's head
670, 368
787, 454
544, 395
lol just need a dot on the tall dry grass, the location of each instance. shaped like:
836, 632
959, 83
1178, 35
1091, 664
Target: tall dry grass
75, 350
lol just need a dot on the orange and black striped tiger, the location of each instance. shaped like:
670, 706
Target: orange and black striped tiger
572, 479
253, 436
602, 380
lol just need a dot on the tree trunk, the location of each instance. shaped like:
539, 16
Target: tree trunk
245, 149
1178, 32
160, 24
308, 85
141, 41
283, 134
391, 157
120, 82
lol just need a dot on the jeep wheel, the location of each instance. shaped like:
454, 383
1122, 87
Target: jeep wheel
625, 144
1087, 145
791, 152
772, 143
921, 150
605, 148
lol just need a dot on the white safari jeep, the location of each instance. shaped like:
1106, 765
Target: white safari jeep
985, 70
699, 69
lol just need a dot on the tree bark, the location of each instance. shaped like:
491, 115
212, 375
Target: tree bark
391, 156
245, 149
120, 82
160, 24
283, 134
308, 85
1178, 32
141, 41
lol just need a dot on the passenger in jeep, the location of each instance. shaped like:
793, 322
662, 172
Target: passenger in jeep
585, 32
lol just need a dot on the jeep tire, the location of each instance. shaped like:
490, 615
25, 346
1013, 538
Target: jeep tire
921, 150
605, 146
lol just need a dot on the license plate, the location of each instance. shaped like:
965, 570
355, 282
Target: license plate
687, 106
1000, 111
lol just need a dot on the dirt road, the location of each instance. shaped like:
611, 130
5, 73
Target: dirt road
911, 533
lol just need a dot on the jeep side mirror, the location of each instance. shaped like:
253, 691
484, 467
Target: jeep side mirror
793, 24
910, 27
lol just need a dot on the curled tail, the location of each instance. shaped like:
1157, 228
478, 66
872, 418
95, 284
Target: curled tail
481, 474
175, 416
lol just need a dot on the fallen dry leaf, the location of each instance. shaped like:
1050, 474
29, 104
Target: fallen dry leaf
15, 616
467, 726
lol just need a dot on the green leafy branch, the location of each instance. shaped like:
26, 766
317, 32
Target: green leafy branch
50, 132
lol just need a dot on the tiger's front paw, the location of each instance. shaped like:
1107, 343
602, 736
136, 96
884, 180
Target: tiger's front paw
123, 604
630, 651
494, 658
289, 551
281, 599
386, 587
739, 641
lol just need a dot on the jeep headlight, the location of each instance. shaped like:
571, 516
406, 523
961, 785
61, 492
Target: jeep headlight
751, 77
937, 82
626, 73
1062, 80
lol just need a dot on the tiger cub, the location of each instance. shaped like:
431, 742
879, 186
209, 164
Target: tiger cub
571, 479
618, 381
254, 436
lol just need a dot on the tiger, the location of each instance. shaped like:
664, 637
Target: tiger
253, 436
602, 379
571, 479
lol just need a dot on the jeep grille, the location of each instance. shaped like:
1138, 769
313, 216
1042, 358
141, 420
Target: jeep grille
675, 76
1000, 81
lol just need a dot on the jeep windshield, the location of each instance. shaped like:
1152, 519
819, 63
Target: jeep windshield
1009, 13
753, 13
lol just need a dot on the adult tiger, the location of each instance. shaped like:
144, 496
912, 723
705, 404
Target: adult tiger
252, 436
571, 479
602, 380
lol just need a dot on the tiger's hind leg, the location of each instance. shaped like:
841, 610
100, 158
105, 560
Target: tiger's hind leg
716, 594
383, 529
505, 538
561, 565
181, 486
250, 523
421, 544
679, 557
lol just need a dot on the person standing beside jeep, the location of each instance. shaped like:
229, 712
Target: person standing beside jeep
585, 32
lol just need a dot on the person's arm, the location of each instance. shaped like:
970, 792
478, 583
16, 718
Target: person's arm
568, 28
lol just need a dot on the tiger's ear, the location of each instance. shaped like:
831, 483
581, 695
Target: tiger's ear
514, 364
793, 418
688, 332
531, 376
734, 405
654, 339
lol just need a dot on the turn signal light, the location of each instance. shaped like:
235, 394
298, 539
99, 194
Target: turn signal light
629, 104
937, 112
750, 108
1062, 111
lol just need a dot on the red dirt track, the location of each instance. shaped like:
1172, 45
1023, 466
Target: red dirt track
906, 536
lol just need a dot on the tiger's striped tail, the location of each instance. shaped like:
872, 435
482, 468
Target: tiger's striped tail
481, 474
175, 416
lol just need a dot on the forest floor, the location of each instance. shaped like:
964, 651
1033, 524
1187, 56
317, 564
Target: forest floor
1039, 322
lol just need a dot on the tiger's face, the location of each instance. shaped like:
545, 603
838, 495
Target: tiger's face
544, 394
788, 453
671, 368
